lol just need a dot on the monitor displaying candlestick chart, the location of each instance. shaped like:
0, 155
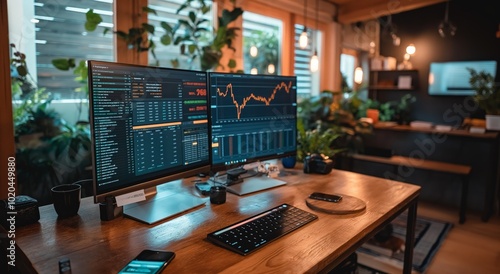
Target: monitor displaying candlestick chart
252, 118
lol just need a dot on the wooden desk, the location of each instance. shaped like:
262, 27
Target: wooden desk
94, 246
453, 132
400, 161
491, 160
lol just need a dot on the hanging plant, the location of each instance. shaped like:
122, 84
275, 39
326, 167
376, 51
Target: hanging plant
137, 38
192, 36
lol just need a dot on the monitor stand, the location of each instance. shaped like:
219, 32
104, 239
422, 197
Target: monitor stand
252, 184
160, 206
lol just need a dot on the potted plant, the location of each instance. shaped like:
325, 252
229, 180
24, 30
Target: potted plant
49, 151
326, 127
487, 96
402, 109
318, 140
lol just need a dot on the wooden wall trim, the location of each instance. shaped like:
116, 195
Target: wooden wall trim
123, 12
356, 11
7, 148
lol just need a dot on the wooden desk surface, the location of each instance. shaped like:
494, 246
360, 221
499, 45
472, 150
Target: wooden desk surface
94, 246
455, 132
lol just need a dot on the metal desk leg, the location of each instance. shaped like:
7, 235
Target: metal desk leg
410, 237
463, 201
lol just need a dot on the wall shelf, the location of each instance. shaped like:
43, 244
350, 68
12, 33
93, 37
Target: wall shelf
390, 88
389, 80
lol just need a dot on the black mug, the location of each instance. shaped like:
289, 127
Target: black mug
66, 199
218, 195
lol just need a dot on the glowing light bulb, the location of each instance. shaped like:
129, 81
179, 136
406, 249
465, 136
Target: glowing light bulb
411, 49
253, 51
314, 65
303, 40
254, 71
358, 75
271, 69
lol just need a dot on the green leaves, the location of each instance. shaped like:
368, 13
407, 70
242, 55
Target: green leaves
191, 34
64, 64
487, 92
192, 49
149, 10
232, 64
166, 39
229, 16
318, 140
192, 17
19, 62
93, 19
148, 27
194, 35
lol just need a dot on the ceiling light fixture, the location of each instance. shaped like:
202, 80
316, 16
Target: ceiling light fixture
410, 49
391, 29
314, 66
303, 40
446, 28
358, 75
406, 64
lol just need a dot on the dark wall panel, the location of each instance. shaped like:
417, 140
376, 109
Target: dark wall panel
477, 23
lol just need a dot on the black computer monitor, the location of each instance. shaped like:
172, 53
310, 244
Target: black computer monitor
149, 126
252, 118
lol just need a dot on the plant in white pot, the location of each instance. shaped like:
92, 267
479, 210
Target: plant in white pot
487, 96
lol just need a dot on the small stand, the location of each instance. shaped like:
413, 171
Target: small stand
348, 205
108, 210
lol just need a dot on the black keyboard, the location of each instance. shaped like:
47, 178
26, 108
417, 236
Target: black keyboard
246, 236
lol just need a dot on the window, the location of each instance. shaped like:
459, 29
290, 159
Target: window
59, 32
52, 148
166, 11
261, 44
347, 66
307, 81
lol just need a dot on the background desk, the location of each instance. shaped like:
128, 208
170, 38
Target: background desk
105, 247
480, 151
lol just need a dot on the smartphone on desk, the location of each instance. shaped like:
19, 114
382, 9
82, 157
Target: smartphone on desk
326, 197
148, 261
203, 187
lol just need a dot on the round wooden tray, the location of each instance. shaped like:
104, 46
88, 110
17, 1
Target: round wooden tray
347, 205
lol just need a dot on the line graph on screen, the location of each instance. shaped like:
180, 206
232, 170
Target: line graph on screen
249, 100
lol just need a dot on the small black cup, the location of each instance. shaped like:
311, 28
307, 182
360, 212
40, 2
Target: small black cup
218, 195
66, 199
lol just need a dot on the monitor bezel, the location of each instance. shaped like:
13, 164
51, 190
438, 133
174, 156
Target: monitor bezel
174, 174
218, 167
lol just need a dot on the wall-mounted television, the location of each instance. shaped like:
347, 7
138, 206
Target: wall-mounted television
452, 78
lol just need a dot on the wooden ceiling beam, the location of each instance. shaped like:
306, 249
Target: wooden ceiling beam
363, 10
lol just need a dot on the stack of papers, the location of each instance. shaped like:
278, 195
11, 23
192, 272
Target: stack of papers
477, 130
443, 127
421, 124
